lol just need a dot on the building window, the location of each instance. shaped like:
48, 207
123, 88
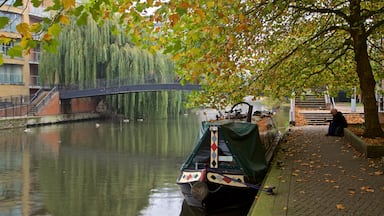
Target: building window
9, 2
11, 74
4, 47
14, 19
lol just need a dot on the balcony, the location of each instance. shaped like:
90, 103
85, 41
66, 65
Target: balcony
34, 81
34, 57
38, 12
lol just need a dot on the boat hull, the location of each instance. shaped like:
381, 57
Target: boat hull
219, 196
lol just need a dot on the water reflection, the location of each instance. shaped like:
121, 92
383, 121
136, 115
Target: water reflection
193, 211
80, 169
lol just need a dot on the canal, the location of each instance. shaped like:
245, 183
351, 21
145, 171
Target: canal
95, 168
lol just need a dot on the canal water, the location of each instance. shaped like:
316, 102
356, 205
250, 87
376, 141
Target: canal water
95, 168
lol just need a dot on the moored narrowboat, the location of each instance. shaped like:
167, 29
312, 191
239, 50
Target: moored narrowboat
230, 160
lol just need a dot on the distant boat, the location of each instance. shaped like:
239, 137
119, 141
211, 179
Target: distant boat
97, 125
27, 130
126, 120
140, 119
230, 160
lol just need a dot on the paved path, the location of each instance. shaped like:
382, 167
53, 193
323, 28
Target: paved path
318, 175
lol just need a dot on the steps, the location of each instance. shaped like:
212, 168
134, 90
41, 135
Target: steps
311, 102
313, 109
34, 105
317, 118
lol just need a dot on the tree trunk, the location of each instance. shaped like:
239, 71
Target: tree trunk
364, 71
367, 86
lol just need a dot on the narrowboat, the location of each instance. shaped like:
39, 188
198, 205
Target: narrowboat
230, 159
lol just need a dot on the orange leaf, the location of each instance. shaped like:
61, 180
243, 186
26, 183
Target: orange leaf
340, 206
174, 18
47, 37
379, 173
367, 189
64, 19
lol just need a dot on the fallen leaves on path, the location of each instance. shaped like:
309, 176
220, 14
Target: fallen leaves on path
378, 173
340, 206
367, 189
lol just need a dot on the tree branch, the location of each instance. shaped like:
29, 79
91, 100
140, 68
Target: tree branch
328, 63
323, 32
374, 27
312, 9
367, 13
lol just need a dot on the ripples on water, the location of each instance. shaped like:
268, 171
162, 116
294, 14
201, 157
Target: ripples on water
80, 169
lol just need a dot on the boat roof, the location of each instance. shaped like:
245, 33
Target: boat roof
240, 138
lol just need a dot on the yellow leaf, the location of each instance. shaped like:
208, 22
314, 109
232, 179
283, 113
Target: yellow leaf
23, 43
35, 27
64, 19
176, 57
210, 4
4, 39
23, 28
68, 4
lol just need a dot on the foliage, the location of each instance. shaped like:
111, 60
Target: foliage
239, 48
88, 54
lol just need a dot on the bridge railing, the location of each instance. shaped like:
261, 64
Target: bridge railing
104, 83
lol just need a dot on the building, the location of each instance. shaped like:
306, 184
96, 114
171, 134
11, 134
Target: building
19, 77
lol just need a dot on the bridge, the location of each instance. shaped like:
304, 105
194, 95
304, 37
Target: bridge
120, 86
32, 104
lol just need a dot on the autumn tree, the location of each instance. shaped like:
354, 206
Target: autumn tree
321, 43
237, 48
279, 47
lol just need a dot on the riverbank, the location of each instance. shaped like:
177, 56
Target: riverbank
31, 121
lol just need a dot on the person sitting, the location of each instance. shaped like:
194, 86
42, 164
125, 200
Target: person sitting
337, 125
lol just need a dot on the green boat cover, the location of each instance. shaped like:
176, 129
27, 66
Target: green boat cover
238, 139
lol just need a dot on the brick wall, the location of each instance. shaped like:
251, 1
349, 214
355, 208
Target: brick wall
52, 107
14, 111
81, 105
78, 105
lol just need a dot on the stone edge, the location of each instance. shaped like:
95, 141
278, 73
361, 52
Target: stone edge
370, 151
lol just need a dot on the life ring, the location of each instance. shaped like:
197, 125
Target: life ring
199, 190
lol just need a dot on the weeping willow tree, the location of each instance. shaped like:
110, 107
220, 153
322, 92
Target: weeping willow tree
90, 53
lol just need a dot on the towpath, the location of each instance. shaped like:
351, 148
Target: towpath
319, 175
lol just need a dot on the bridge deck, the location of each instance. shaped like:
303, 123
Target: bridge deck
67, 93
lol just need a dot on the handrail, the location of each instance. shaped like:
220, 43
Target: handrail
104, 83
46, 99
36, 94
